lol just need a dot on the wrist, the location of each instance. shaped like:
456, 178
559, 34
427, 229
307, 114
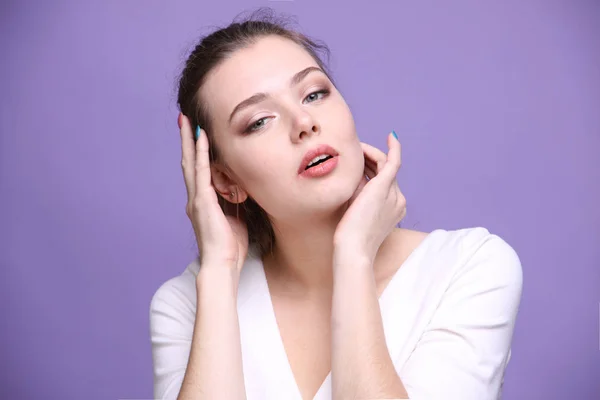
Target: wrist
347, 258
217, 275
350, 254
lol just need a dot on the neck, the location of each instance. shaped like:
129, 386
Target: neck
303, 254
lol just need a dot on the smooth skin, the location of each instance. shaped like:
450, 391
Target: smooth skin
215, 365
375, 209
356, 249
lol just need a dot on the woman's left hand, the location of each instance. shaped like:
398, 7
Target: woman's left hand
376, 207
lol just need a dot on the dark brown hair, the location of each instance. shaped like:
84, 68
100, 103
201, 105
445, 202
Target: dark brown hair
210, 51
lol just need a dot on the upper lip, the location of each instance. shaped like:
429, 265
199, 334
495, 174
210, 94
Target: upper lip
314, 152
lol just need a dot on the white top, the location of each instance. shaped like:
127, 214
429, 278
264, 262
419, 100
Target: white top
448, 316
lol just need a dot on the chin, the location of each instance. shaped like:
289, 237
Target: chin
336, 193
327, 194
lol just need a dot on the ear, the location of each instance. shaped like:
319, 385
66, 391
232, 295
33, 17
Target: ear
225, 185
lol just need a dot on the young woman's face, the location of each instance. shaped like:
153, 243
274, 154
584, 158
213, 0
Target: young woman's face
264, 142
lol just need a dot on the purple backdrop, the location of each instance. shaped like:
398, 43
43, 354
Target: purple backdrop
497, 107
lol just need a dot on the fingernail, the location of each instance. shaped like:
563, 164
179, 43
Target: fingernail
197, 131
394, 133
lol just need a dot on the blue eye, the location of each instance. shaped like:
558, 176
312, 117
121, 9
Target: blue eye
256, 125
251, 127
323, 92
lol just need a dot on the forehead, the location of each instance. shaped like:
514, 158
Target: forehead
265, 66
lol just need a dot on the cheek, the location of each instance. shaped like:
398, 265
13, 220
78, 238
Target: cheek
260, 176
346, 130
358, 162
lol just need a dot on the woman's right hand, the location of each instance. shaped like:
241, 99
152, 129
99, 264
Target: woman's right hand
222, 239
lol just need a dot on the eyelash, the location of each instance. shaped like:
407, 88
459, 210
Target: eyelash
324, 92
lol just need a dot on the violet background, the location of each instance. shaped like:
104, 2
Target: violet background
497, 105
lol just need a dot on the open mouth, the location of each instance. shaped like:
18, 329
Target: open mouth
318, 160
316, 156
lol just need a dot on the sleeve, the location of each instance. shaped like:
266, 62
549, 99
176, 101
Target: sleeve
172, 317
464, 350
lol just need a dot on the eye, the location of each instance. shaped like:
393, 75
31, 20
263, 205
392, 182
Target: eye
259, 123
315, 95
256, 125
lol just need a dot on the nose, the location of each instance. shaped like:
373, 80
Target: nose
305, 125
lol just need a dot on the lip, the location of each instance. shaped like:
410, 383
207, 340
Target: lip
322, 169
317, 151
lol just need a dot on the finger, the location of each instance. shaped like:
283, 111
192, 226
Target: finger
370, 172
203, 181
392, 164
188, 155
370, 163
374, 155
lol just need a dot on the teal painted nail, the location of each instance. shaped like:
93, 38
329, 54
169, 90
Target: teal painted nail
394, 133
197, 131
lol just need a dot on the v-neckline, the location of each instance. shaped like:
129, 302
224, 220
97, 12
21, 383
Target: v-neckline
282, 356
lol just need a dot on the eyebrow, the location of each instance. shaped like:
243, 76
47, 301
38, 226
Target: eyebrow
259, 97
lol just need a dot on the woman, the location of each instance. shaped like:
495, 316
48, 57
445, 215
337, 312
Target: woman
305, 288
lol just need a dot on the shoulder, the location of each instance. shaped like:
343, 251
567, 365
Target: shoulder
477, 248
172, 317
176, 297
472, 253
470, 282
478, 261
463, 243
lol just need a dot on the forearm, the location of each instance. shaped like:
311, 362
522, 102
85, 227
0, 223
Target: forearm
214, 368
361, 364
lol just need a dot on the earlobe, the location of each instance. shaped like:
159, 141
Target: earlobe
233, 194
236, 196
226, 187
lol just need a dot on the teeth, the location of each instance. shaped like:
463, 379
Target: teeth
317, 159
